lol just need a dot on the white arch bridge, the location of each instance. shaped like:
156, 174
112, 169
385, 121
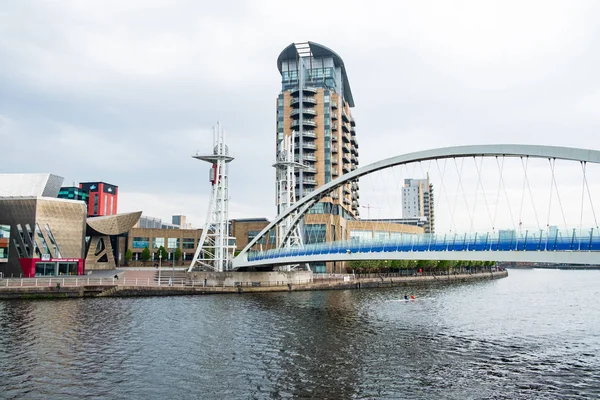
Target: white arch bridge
573, 244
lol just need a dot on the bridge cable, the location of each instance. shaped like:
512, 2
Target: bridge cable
475, 198
501, 168
590, 195
479, 171
562, 211
463, 189
455, 199
581, 212
537, 220
442, 174
551, 161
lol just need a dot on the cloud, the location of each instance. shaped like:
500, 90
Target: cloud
126, 92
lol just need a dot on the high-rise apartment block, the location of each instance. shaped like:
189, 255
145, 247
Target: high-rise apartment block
314, 108
417, 202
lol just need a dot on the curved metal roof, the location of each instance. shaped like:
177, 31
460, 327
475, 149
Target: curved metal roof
112, 224
317, 51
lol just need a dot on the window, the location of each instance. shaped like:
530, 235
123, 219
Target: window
315, 233
360, 235
95, 203
140, 242
188, 243
173, 243
253, 234
157, 242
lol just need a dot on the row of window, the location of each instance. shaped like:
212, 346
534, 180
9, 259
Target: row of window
172, 243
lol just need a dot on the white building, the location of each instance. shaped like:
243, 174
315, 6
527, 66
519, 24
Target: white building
417, 202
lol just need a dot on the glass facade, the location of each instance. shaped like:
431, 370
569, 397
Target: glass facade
4, 240
253, 234
74, 193
140, 242
157, 242
173, 243
188, 243
315, 233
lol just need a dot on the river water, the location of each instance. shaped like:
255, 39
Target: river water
535, 334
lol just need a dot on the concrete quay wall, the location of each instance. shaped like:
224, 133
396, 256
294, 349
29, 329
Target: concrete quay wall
246, 287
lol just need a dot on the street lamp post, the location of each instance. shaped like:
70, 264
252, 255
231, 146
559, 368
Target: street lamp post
173, 266
159, 264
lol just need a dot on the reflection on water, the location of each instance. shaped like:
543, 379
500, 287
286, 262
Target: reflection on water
534, 334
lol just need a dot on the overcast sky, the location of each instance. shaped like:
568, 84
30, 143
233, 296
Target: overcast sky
125, 91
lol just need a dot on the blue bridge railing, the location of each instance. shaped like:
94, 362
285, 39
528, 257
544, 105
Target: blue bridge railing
558, 241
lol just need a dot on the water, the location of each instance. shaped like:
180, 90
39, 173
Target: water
533, 335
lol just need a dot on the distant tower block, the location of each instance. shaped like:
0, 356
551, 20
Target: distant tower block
214, 251
286, 184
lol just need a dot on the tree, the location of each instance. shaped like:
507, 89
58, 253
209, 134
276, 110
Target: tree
145, 255
162, 252
177, 255
128, 256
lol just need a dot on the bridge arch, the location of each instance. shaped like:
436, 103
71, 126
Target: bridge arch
491, 150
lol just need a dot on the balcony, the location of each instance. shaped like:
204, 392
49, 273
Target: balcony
345, 116
334, 161
347, 148
347, 201
345, 128
334, 149
345, 138
353, 138
306, 122
347, 189
306, 100
334, 127
346, 168
334, 116
335, 173
309, 157
335, 196
334, 138
346, 158
307, 111
352, 123
310, 181
334, 104
309, 134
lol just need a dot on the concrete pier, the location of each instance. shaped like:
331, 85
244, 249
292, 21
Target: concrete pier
228, 282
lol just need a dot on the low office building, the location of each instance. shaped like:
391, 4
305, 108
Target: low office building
186, 240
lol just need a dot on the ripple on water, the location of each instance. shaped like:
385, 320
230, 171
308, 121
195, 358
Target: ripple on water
505, 339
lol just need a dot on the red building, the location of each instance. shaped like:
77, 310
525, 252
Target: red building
103, 198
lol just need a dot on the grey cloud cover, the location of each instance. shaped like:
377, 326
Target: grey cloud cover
126, 91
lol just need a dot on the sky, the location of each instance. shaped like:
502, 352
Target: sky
126, 92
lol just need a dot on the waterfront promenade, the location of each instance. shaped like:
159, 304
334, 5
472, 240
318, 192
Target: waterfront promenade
124, 283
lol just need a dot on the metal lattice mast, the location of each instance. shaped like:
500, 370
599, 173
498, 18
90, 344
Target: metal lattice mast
286, 186
213, 249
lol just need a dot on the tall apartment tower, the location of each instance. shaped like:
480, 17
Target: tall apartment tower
417, 202
314, 109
